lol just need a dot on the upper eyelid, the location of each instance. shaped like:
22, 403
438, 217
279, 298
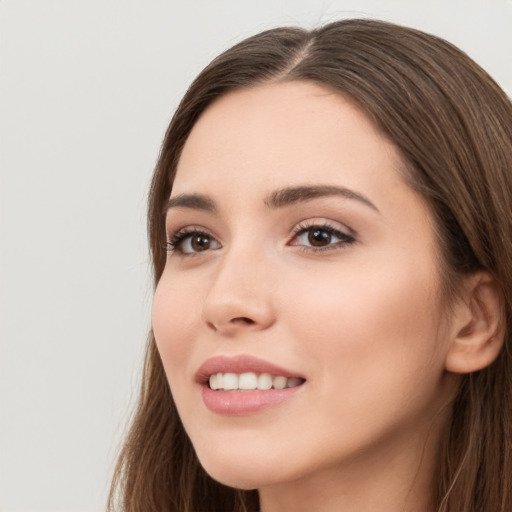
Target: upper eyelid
188, 228
304, 223
346, 234
324, 222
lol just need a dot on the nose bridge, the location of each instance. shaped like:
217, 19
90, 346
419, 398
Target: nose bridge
240, 295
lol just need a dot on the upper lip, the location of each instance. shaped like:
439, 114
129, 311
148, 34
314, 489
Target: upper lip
240, 363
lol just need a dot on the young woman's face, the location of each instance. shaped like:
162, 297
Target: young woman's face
300, 258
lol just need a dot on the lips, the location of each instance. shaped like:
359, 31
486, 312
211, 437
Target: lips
232, 395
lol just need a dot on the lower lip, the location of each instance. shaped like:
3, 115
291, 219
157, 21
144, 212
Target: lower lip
235, 403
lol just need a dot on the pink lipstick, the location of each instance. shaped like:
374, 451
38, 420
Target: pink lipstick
243, 384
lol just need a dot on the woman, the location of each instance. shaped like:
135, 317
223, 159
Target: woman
331, 315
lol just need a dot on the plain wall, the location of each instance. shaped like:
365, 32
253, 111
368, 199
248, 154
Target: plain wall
87, 90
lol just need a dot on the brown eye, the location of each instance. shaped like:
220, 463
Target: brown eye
199, 243
319, 237
192, 242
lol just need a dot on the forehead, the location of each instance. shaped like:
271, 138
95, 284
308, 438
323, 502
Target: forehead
275, 134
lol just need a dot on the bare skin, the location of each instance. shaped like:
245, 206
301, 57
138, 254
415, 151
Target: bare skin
341, 289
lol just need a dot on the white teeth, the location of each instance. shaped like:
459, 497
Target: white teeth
279, 382
251, 381
213, 381
230, 381
248, 381
265, 381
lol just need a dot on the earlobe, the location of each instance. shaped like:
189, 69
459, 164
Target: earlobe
478, 326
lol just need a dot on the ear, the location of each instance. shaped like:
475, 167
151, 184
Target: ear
478, 325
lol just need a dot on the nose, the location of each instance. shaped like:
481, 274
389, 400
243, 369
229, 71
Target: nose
240, 296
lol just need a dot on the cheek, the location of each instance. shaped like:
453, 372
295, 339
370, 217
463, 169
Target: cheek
174, 311
362, 300
370, 330
372, 346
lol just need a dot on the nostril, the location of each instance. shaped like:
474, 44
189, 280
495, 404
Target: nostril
238, 321
242, 320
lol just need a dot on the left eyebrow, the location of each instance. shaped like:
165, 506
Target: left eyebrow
292, 195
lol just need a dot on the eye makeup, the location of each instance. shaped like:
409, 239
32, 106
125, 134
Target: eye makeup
310, 236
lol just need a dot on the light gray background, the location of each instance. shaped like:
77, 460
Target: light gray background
87, 89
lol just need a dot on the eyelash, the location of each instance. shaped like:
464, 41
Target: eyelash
177, 238
345, 238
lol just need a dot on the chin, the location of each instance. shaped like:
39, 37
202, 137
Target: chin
241, 471
235, 481
237, 477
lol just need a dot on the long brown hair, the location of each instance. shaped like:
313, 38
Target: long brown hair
453, 126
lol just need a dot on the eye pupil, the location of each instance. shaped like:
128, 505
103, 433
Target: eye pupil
318, 237
200, 243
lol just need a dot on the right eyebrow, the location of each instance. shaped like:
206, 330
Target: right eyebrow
192, 201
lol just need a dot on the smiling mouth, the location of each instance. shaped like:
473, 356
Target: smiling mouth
251, 381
